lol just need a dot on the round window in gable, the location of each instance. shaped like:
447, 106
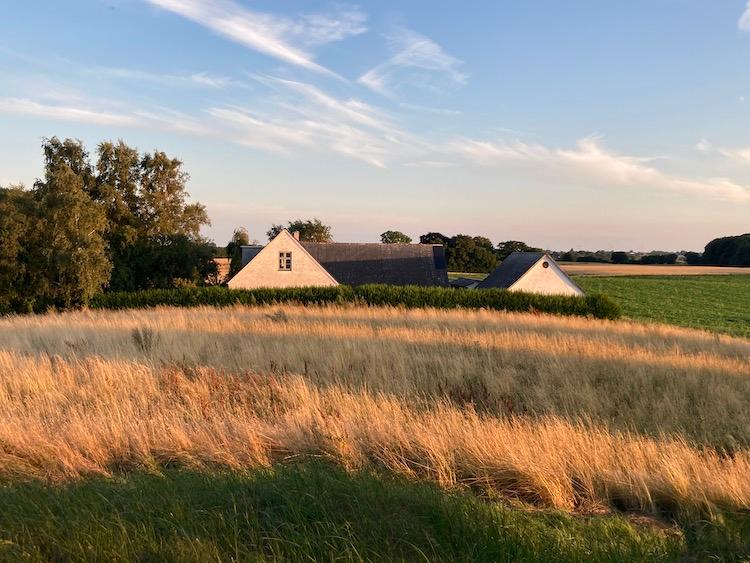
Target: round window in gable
545, 264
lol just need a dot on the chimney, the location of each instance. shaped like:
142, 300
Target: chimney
295, 234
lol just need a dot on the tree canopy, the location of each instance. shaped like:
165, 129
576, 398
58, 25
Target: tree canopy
310, 230
240, 238
122, 223
505, 249
394, 237
728, 251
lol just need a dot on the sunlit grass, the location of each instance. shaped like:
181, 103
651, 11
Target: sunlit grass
715, 303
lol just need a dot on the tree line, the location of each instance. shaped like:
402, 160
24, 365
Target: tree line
121, 222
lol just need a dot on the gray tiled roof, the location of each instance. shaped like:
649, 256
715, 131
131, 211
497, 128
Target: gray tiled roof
511, 269
464, 282
393, 264
249, 252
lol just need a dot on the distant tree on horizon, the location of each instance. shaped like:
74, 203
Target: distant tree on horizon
620, 257
505, 249
728, 251
394, 237
434, 238
310, 230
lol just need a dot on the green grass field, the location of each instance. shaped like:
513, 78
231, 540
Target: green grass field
314, 512
717, 303
714, 303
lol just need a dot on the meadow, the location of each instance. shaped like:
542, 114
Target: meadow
518, 426
719, 303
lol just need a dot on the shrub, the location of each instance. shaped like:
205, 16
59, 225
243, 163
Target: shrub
599, 306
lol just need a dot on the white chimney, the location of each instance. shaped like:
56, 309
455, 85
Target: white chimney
295, 234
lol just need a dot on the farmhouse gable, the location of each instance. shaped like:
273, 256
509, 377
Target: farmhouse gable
283, 262
532, 272
287, 262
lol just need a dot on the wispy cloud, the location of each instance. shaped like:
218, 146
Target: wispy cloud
738, 154
307, 116
302, 119
416, 60
591, 163
25, 106
429, 109
199, 79
744, 21
278, 37
292, 118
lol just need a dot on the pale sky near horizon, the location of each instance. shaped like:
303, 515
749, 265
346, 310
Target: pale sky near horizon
593, 124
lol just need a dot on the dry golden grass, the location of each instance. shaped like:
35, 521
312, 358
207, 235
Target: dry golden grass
644, 378
568, 413
67, 419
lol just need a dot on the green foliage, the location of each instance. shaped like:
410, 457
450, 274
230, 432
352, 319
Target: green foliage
240, 238
728, 251
620, 257
658, 259
69, 261
310, 230
17, 222
394, 237
52, 247
598, 306
465, 253
124, 223
694, 258
470, 254
434, 238
310, 512
164, 260
505, 249
716, 303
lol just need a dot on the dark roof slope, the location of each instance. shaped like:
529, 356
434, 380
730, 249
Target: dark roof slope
393, 264
464, 282
250, 252
511, 269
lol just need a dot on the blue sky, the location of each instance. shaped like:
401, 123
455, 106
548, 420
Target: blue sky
587, 124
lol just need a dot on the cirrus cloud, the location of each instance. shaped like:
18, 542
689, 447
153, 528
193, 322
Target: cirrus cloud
276, 36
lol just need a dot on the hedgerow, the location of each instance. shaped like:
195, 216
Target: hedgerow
598, 306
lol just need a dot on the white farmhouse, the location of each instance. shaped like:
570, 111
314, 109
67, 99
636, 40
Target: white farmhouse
532, 272
288, 262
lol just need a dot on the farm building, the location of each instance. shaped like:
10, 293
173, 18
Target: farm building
533, 272
287, 262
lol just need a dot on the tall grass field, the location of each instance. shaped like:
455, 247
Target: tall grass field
370, 433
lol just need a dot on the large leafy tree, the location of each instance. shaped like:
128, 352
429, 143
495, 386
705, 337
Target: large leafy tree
163, 206
728, 251
127, 215
394, 237
505, 249
116, 189
310, 230
434, 238
470, 254
464, 253
67, 254
17, 221
148, 216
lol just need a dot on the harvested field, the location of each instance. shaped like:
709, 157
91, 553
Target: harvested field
595, 269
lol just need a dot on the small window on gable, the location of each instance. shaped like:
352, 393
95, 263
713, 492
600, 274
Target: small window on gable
545, 264
285, 261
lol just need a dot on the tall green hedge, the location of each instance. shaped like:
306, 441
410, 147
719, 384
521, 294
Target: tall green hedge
599, 306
